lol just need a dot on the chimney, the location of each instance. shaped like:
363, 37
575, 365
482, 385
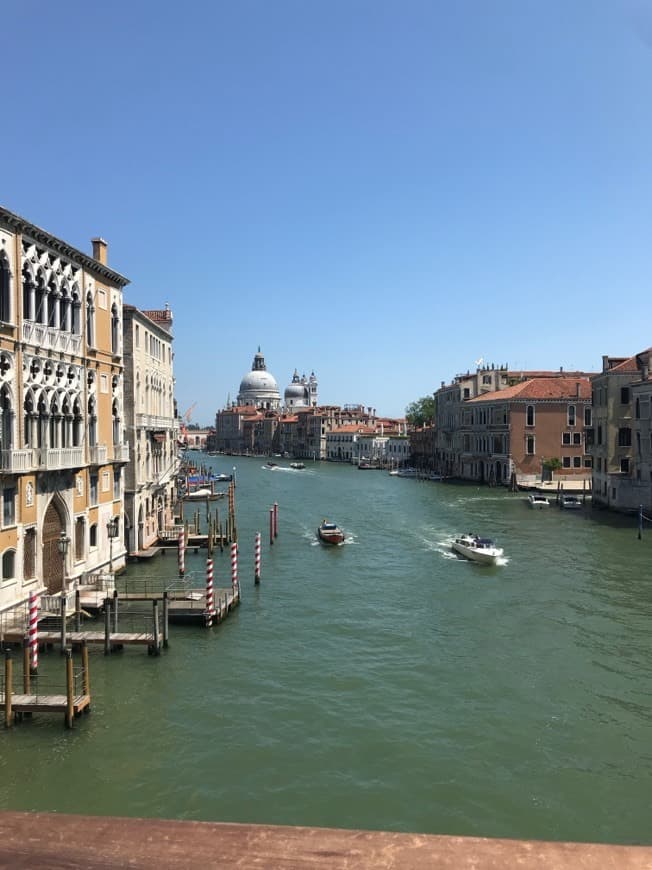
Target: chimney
605, 363
99, 250
578, 388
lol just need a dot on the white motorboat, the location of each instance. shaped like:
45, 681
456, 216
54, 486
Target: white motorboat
538, 501
477, 549
570, 502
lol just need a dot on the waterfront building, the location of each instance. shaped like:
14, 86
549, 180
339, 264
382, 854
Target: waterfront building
342, 442
62, 445
197, 439
152, 426
422, 447
515, 430
452, 455
620, 439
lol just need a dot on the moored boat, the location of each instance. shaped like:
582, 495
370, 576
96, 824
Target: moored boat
482, 550
537, 500
330, 533
297, 465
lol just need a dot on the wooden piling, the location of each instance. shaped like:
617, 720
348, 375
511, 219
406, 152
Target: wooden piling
9, 716
271, 526
157, 642
77, 610
63, 621
86, 674
115, 611
166, 619
70, 690
107, 626
26, 669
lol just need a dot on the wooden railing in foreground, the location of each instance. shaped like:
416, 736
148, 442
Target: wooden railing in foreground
49, 841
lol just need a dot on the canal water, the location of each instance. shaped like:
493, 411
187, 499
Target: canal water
384, 684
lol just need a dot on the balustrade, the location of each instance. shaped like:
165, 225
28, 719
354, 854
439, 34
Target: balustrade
17, 460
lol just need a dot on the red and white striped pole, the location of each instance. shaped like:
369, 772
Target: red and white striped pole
182, 553
257, 559
210, 605
276, 519
33, 633
271, 526
234, 566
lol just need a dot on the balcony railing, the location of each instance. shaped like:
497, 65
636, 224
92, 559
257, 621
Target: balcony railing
152, 421
121, 453
18, 460
53, 458
51, 338
99, 454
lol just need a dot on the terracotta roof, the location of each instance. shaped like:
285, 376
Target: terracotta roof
354, 427
630, 364
540, 388
159, 315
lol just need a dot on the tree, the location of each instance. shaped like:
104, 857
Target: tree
421, 412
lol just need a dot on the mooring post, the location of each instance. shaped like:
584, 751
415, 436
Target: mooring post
115, 611
77, 609
271, 526
107, 626
157, 641
276, 519
640, 521
257, 559
86, 674
166, 619
63, 622
26, 671
9, 716
70, 689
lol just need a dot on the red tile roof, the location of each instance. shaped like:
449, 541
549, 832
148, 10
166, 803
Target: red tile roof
540, 388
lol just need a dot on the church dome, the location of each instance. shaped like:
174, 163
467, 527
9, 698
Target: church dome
296, 394
258, 381
258, 387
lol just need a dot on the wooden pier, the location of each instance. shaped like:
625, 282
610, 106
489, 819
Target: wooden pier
71, 702
111, 637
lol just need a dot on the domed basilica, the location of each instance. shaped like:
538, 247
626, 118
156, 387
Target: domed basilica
259, 388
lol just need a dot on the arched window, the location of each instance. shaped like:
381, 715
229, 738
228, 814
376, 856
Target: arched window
29, 554
116, 423
80, 526
41, 300
115, 329
90, 320
529, 415
76, 309
6, 420
9, 565
29, 295
5, 290
77, 428
92, 422
92, 535
53, 305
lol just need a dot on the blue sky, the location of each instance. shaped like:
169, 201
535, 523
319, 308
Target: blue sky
381, 192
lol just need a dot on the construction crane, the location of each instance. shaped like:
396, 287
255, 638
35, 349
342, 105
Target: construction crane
186, 419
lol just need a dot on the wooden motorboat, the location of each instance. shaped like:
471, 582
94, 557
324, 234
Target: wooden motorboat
330, 533
297, 465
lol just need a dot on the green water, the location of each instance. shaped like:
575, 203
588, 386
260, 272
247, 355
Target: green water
384, 684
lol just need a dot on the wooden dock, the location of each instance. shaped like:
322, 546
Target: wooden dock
71, 703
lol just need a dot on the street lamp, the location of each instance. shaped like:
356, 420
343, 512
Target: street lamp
112, 532
62, 545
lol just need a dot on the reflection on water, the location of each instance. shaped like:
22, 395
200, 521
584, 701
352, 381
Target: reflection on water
382, 684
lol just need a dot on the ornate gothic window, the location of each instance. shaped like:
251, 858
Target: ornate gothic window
90, 320
5, 290
115, 329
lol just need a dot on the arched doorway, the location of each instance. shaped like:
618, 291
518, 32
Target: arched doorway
52, 558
